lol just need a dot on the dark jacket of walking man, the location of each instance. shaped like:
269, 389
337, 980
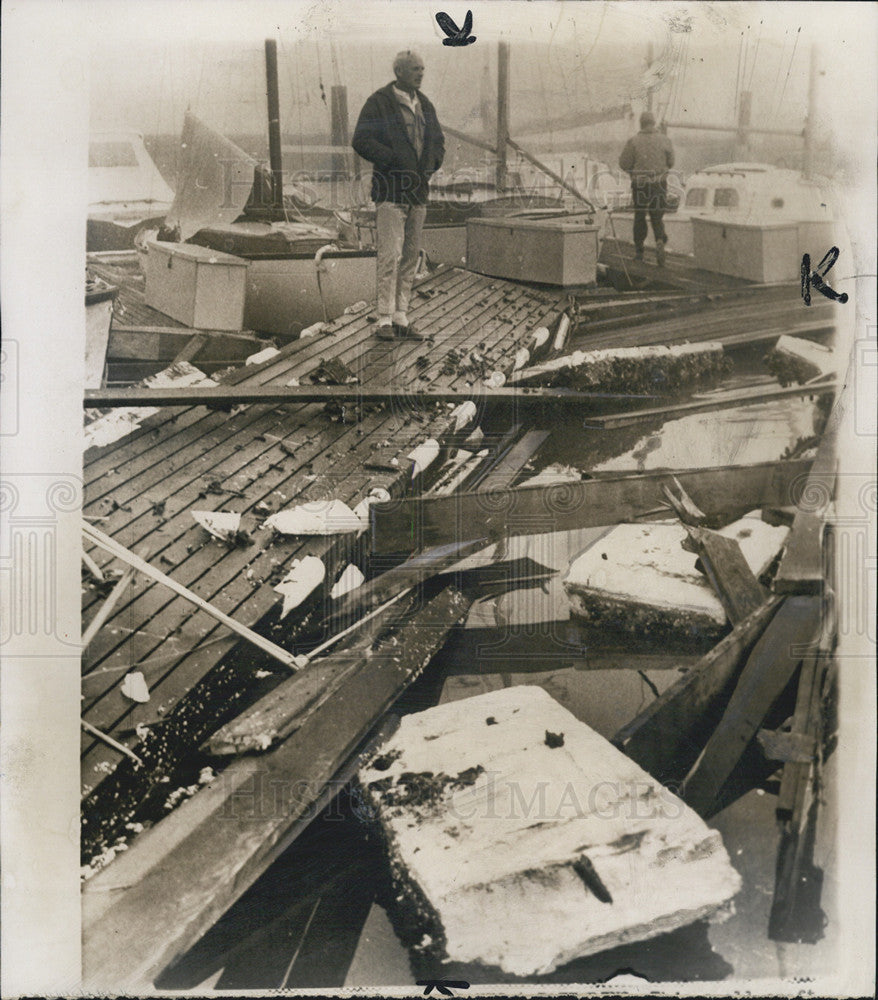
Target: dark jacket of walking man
399, 134
647, 158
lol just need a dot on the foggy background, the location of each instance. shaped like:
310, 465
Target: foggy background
571, 64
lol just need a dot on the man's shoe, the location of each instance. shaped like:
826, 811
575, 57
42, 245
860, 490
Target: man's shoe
409, 332
660, 254
385, 331
638, 253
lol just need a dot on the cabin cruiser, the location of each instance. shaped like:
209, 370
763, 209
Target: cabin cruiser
742, 193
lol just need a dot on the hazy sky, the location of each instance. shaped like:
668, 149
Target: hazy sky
151, 60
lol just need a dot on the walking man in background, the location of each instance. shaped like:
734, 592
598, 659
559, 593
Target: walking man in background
647, 158
399, 134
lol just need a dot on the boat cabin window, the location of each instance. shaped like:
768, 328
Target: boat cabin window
111, 154
696, 198
777, 202
725, 198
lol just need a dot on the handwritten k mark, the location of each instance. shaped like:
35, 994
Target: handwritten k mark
456, 36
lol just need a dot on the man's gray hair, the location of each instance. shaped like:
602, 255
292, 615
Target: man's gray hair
403, 59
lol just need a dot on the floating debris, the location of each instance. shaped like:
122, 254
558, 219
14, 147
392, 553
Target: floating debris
221, 524
506, 853
304, 576
349, 580
319, 517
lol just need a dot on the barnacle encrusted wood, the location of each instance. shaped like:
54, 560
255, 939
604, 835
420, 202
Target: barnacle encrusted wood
639, 577
656, 368
519, 838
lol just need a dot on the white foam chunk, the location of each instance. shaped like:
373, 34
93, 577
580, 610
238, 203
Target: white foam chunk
645, 564
523, 791
304, 575
265, 355
221, 524
134, 687
350, 579
319, 517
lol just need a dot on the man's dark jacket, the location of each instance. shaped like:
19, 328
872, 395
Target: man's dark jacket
398, 173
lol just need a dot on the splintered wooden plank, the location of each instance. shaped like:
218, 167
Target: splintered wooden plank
767, 672
240, 823
514, 840
669, 733
716, 401
505, 471
729, 573
433, 521
801, 566
795, 910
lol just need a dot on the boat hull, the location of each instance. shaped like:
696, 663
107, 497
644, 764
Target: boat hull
98, 316
285, 294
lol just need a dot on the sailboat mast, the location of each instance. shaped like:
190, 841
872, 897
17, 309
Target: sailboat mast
502, 112
274, 149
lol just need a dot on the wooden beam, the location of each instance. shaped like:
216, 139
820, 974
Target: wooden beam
233, 395
417, 523
668, 734
210, 850
717, 401
193, 346
766, 673
504, 472
801, 566
108, 544
106, 609
795, 909
729, 573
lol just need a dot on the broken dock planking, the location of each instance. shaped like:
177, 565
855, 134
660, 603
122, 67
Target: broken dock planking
217, 844
410, 524
269, 373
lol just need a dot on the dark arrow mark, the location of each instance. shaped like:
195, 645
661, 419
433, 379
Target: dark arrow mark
456, 36
590, 878
815, 278
444, 986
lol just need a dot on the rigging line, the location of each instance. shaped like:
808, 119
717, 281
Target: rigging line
676, 65
777, 74
597, 34
738, 77
678, 78
789, 70
755, 54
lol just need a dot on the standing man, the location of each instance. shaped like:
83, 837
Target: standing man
399, 134
647, 158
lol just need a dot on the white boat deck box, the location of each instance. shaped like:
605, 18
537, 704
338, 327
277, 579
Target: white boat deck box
559, 251
765, 253
194, 285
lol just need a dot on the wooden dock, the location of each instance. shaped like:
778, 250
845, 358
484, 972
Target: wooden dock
141, 490
267, 455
